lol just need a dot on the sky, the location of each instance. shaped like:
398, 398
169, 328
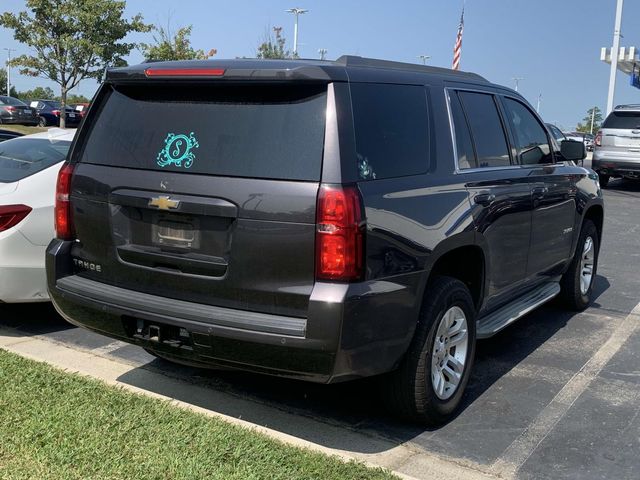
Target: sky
553, 45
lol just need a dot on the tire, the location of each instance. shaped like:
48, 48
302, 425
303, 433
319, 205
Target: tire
603, 179
42, 122
575, 292
410, 391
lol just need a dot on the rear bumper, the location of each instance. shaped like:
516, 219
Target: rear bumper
19, 121
615, 165
351, 331
22, 269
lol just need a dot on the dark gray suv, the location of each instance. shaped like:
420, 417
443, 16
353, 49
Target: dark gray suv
319, 220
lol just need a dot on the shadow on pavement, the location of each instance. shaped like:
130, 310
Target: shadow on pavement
356, 404
32, 318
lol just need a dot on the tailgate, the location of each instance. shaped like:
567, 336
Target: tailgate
204, 195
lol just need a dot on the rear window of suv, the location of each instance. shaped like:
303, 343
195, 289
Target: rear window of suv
257, 131
624, 120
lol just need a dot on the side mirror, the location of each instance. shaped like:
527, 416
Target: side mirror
573, 150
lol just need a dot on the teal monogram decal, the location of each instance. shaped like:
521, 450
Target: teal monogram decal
177, 149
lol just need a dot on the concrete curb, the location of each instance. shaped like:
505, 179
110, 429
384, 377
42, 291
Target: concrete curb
402, 459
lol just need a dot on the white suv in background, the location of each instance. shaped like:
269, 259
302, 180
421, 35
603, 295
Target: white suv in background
617, 145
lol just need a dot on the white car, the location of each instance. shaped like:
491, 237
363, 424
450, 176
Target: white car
29, 168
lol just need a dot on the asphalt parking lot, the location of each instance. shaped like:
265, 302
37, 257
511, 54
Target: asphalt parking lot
557, 395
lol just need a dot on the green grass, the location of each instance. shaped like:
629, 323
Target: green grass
56, 425
23, 129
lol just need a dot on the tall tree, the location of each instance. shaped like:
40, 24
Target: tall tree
38, 93
72, 39
274, 46
585, 125
168, 47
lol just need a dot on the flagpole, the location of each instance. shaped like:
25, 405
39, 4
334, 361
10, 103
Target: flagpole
457, 49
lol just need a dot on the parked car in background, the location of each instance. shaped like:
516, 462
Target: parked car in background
320, 220
80, 108
588, 141
8, 135
585, 138
49, 113
616, 150
28, 169
15, 111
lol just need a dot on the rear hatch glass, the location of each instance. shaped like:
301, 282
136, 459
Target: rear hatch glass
205, 194
223, 130
22, 157
623, 120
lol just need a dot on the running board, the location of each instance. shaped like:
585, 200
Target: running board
496, 321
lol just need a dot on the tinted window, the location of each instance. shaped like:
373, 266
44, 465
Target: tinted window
464, 145
486, 129
628, 120
391, 130
10, 101
259, 131
556, 132
531, 139
22, 157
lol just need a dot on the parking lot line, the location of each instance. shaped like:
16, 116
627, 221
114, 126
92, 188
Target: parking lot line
508, 464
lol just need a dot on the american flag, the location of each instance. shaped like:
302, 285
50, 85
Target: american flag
457, 50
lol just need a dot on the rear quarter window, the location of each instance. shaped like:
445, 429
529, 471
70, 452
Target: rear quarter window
256, 131
391, 130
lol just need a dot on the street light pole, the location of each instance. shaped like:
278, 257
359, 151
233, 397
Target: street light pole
517, 80
424, 58
593, 117
538, 106
614, 56
297, 12
9, 50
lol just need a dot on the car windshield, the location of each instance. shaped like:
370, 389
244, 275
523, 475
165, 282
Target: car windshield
10, 101
52, 104
22, 157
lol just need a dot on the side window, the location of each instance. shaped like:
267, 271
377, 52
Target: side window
391, 130
531, 139
559, 136
486, 129
464, 145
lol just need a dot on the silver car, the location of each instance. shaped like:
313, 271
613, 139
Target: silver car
617, 145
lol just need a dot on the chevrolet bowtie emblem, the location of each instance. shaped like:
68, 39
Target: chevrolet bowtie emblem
163, 202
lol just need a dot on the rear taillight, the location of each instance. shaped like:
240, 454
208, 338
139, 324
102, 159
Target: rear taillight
598, 140
56, 112
339, 234
11, 215
63, 219
10, 109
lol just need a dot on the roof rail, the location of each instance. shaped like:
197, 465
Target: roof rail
634, 106
356, 61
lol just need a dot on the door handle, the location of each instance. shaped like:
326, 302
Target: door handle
539, 192
484, 199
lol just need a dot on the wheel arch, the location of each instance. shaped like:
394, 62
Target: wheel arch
466, 262
595, 213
